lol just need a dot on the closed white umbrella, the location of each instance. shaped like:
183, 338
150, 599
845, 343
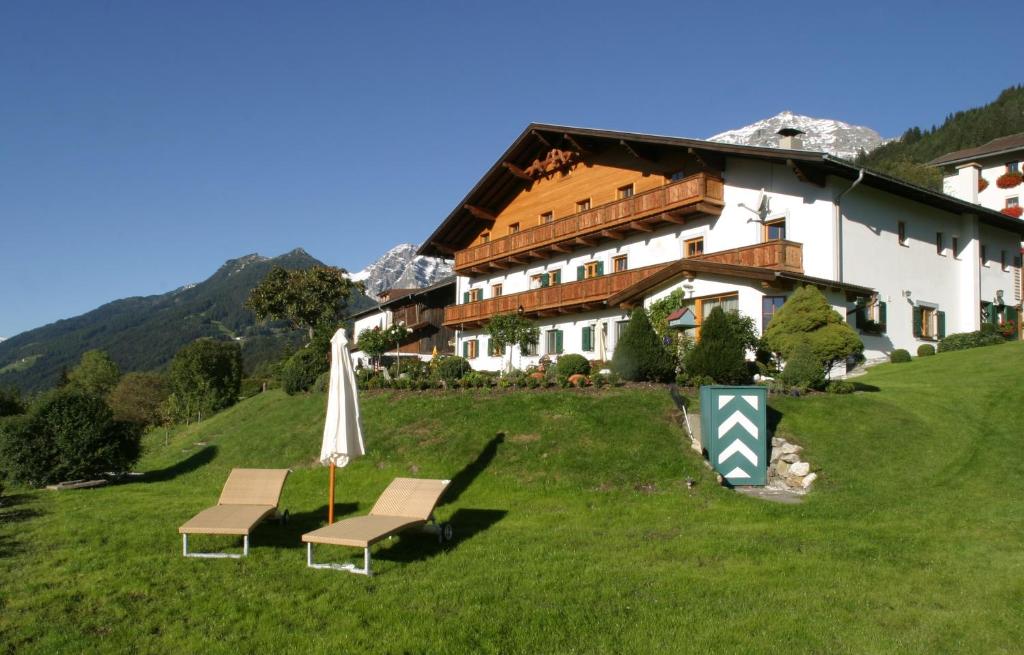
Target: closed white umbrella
602, 342
343, 431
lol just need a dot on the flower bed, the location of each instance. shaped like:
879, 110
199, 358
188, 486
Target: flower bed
1015, 211
1008, 180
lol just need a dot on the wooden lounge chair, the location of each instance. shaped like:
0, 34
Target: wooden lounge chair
249, 497
406, 503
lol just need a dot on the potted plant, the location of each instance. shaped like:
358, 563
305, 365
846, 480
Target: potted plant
1009, 180
982, 184
1014, 211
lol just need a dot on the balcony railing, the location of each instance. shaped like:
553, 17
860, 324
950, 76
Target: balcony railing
776, 255
700, 193
559, 297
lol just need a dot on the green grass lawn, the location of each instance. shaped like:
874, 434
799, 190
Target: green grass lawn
575, 531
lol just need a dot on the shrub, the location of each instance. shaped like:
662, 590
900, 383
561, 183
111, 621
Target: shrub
720, 354
302, 369
965, 340
139, 397
452, 368
925, 350
639, 354
806, 317
67, 435
899, 356
572, 364
803, 368
323, 382
702, 380
476, 380
840, 387
96, 373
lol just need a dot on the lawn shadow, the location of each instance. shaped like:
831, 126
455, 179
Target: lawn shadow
773, 418
416, 546
464, 478
12, 511
289, 535
194, 461
860, 386
679, 399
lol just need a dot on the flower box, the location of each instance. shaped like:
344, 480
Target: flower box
982, 184
1008, 180
1015, 211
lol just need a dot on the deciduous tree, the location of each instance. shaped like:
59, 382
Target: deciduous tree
96, 373
206, 376
512, 329
308, 298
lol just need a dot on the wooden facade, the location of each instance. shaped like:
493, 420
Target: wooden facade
776, 255
422, 311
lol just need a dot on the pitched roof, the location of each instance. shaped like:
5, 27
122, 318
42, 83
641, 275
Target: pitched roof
1004, 144
499, 185
411, 294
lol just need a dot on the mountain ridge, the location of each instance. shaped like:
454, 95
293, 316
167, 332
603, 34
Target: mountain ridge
820, 134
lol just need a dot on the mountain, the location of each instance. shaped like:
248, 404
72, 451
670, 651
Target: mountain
821, 134
907, 156
144, 333
402, 268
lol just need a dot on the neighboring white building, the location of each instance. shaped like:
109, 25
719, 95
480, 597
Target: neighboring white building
574, 227
420, 310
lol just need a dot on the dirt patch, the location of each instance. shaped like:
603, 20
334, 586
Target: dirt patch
524, 438
645, 487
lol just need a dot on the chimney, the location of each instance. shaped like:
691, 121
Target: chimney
789, 139
965, 184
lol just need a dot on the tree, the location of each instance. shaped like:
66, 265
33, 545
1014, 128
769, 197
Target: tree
807, 317
721, 351
639, 354
10, 401
310, 298
512, 329
374, 342
139, 397
206, 376
96, 373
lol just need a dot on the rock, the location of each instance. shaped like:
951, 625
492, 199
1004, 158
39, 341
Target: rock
790, 448
792, 458
782, 468
777, 442
800, 468
809, 480
776, 454
794, 482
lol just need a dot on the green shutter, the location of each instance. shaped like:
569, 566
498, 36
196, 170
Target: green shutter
558, 341
544, 280
465, 297
586, 338
465, 349
917, 321
556, 276
881, 315
940, 320
600, 268
581, 272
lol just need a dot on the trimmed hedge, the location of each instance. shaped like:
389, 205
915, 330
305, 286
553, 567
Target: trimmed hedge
925, 350
803, 368
453, 368
899, 356
572, 364
966, 340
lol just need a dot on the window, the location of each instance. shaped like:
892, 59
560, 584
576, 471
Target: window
582, 205
770, 305
535, 281
553, 342
1013, 201
547, 217
620, 327
940, 247
693, 247
775, 230
588, 338
529, 350
955, 248
619, 264
589, 270
927, 322
701, 307
495, 290
901, 233
485, 237
625, 191
513, 228
555, 277
470, 349
494, 350
545, 279
476, 295
1013, 167
678, 175
984, 255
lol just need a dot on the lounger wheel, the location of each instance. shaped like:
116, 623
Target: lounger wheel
446, 533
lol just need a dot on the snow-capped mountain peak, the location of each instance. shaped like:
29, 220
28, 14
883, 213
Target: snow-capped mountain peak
402, 268
820, 134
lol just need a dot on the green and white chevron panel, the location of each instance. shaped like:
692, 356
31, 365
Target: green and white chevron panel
735, 429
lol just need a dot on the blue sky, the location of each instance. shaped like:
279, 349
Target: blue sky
142, 144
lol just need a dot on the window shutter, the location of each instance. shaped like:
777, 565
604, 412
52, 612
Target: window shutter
917, 321
600, 268
881, 314
465, 297
544, 280
581, 272
940, 324
558, 341
1011, 314
465, 349
586, 339
859, 315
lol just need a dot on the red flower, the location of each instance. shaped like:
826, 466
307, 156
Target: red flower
982, 184
1008, 180
1014, 211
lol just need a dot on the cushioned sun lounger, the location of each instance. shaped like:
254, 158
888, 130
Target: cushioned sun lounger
406, 503
249, 496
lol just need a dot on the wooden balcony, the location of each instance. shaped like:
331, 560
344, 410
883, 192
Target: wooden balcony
775, 255
414, 316
699, 194
558, 299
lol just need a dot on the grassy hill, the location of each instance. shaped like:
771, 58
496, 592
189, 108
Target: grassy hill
575, 532
144, 333
906, 157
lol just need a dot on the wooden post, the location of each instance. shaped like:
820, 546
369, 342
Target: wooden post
330, 498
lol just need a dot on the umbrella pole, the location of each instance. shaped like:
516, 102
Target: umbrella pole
330, 498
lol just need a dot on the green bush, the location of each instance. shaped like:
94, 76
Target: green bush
804, 368
572, 364
476, 380
840, 386
720, 354
966, 340
323, 382
67, 435
453, 368
302, 369
807, 318
925, 350
701, 381
639, 354
899, 356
